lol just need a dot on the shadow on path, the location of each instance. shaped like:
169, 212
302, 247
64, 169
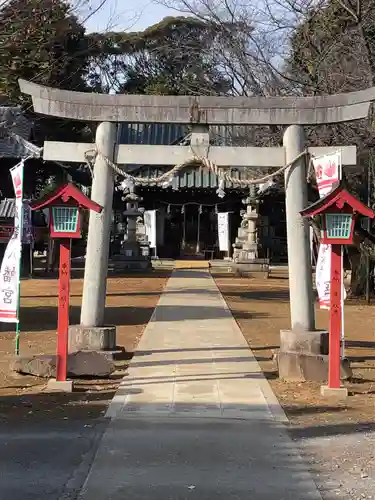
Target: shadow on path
45, 318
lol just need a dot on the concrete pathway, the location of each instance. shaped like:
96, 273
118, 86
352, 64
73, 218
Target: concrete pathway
195, 418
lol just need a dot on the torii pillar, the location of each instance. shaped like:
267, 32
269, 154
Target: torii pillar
302, 345
98, 239
299, 255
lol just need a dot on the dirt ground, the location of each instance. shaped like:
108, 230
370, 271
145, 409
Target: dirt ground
337, 439
261, 308
130, 303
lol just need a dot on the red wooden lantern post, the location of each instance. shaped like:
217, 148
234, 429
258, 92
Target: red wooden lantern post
63, 310
338, 211
65, 206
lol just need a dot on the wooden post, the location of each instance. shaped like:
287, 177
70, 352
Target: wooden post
230, 248
31, 260
198, 247
63, 311
368, 263
184, 228
335, 318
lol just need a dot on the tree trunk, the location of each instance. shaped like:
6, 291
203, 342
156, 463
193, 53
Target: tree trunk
364, 245
358, 267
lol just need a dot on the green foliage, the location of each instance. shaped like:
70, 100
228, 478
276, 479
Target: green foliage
41, 41
172, 57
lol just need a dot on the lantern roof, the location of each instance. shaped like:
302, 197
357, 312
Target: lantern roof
63, 194
338, 198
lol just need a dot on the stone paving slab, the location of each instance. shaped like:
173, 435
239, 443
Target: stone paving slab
192, 357
195, 417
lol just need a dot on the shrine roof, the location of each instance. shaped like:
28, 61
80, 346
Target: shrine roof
339, 197
65, 192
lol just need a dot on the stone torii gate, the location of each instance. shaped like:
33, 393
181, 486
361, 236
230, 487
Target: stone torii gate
200, 112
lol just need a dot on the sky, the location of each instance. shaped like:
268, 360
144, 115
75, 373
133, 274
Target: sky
131, 15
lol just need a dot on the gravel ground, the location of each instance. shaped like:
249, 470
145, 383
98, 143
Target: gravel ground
343, 466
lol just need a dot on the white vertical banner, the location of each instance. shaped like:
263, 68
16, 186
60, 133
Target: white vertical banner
323, 276
328, 172
150, 226
11, 264
27, 229
223, 231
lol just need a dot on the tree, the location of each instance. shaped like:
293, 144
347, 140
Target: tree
171, 57
247, 48
333, 50
42, 41
299, 47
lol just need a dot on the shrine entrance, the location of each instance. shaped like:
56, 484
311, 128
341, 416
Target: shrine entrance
108, 159
187, 225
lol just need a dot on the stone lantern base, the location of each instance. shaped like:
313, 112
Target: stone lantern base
132, 256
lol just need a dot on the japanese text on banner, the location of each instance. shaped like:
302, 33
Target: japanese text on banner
10, 266
27, 229
150, 226
223, 230
9, 279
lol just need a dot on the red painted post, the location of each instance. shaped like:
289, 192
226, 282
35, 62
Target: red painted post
335, 318
63, 311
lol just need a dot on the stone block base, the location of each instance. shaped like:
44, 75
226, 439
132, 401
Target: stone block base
95, 364
60, 386
302, 367
131, 265
249, 265
92, 338
303, 356
308, 342
338, 393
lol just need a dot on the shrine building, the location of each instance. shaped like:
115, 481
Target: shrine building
187, 221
